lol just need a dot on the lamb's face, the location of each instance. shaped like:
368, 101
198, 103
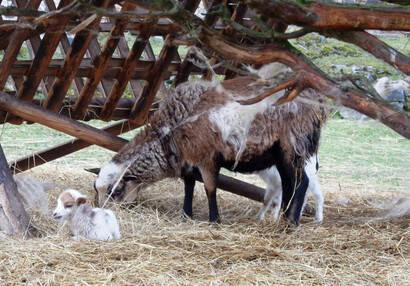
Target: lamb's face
67, 202
116, 183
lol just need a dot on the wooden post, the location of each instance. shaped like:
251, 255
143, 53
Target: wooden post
13, 217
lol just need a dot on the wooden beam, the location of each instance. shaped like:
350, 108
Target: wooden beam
125, 75
31, 112
66, 148
72, 61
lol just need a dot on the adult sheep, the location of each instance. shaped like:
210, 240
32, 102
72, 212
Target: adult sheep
201, 127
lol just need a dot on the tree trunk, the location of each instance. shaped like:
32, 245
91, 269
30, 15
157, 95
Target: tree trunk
13, 217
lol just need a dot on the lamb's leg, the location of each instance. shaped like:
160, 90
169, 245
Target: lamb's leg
273, 193
210, 179
316, 190
272, 196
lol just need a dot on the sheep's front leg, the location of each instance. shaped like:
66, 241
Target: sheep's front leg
189, 181
210, 178
294, 190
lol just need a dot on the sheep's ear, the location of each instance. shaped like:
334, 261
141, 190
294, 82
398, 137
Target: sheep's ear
129, 177
81, 200
94, 170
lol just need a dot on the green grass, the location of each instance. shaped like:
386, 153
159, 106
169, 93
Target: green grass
365, 151
351, 152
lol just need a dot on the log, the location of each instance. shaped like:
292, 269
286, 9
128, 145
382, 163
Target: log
31, 112
65, 148
13, 217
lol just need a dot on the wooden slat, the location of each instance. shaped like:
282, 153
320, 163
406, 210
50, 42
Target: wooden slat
151, 56
105, 84
187, 66
77, 84
141, 72
72, 62
16, 40
123, 50
39, 65
100, 63
66, 148
31, 112
125, 74
141, 108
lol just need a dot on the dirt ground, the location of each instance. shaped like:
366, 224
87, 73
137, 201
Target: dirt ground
357, 243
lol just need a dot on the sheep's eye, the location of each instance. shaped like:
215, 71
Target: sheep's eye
68, 206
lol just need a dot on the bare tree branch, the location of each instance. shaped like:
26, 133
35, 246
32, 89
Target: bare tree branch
318, 15
374, 46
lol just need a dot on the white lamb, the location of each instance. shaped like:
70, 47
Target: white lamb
273, 194
87, 222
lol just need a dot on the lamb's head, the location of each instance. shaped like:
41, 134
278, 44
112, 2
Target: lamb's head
116, 182
67, 203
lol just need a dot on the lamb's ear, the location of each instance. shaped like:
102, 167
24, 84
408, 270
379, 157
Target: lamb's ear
81, 200
94, 170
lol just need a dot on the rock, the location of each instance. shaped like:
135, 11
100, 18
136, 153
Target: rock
397, 105
396, 95
347, 113
384, 86
339, 67
355, 69
370, 78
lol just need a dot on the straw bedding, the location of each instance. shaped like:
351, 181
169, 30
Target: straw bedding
159, 248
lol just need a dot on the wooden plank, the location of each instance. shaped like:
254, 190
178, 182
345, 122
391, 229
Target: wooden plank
100, 63
31, 112
66, 148
17, 38
125, 74
72, 62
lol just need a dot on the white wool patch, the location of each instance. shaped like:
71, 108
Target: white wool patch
234, 120
108, 174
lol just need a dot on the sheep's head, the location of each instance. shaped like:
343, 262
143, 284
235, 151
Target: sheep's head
117, 183
67, 202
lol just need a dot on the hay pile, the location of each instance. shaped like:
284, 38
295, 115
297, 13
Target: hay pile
159, 248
